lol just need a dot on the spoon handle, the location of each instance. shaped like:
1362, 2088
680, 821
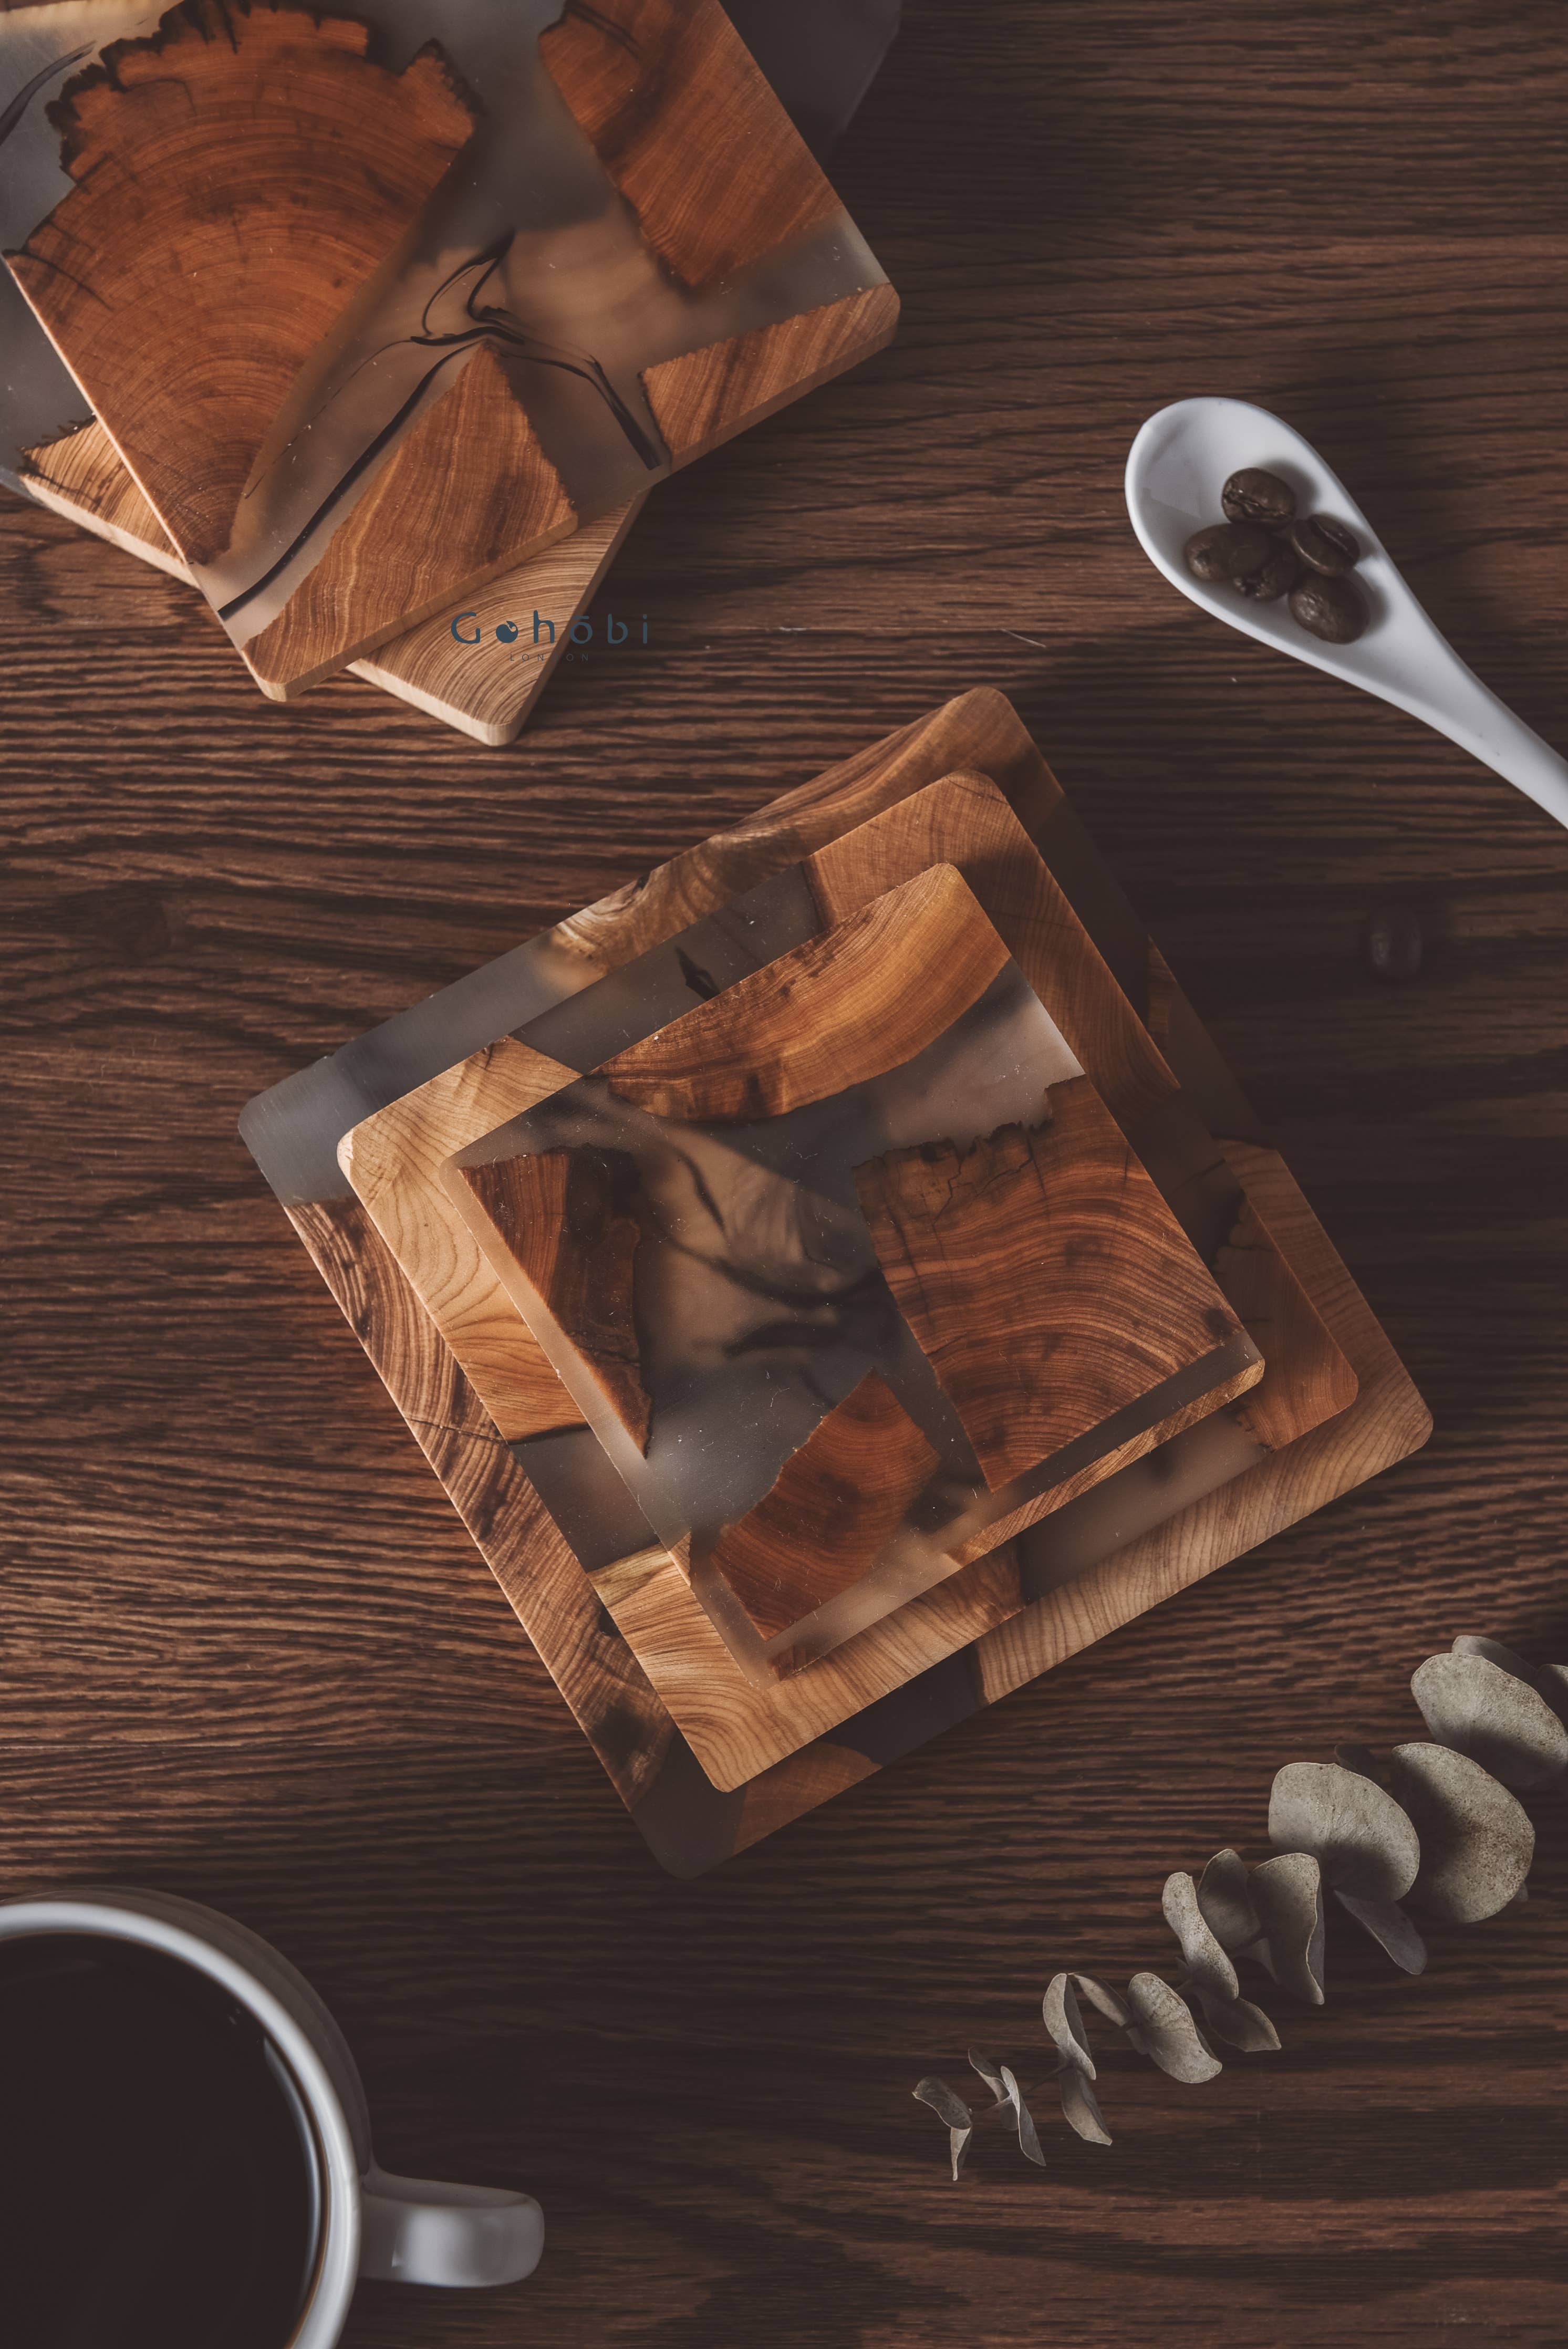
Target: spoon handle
1470, 714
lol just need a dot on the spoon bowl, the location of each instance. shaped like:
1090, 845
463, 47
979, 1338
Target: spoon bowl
1175, 469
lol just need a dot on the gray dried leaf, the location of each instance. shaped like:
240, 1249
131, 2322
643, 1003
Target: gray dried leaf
1102, 1999
1390, 1928
1477, 1840
1207, 1962
1362, 1759
1161, 2027
955, 2113
1549, 1681
1227, 1903
1080, 2106
992, 2073
1066, 2024
1007, 2097
1289, 1895
1028, 2134
1358, 1834
1239, 2024
1474, 1705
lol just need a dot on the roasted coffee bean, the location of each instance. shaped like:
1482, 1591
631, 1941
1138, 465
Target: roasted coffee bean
1334, 609
1392, 942
1277, 577
1227, 550
1254, 495
1325, 545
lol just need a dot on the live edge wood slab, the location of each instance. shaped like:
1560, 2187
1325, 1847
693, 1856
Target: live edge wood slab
632, 1730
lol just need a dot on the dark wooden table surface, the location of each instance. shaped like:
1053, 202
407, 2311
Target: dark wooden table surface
249, 1653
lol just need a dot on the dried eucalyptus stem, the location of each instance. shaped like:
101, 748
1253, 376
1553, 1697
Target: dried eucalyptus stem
1432, 1823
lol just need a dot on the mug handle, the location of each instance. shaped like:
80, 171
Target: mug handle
417, 2231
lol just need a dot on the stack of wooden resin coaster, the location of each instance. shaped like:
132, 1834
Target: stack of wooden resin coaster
834, 1281
376, 334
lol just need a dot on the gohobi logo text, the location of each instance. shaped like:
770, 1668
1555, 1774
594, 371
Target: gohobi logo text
466, 630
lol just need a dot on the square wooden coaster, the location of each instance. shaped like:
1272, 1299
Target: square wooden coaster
736, 1727
852, 1272
1091, 1566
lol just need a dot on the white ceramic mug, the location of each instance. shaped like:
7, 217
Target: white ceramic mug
402, 2230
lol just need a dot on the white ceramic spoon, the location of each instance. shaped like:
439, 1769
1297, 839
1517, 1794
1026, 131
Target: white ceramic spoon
1176, 470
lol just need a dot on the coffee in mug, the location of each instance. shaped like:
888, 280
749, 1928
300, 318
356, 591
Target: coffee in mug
162, 2180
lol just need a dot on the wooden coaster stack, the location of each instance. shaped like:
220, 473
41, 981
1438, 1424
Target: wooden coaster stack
384, 350
836, 1280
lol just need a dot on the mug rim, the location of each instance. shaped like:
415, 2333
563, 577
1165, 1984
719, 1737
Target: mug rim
113, 1918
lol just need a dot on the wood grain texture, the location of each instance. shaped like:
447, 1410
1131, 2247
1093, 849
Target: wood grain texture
485, 685
835, 1501
706, 396
394, 1162
1047, 1282
80, 475
965, 817
568, 1219
280, 1679
174, 278
832, 1013
487, 688
466, 495
689, 130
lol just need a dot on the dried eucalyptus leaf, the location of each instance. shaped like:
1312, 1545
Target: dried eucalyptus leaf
1081, 2107
1102, 1999
1206, 1960
1362, 1759
1227, 1903
1161, 2027
994, 2075
1474, 1705
1028, 2134
1289, 1893
1358, 1834
1239, 2024
942, 2101
1066, 2024
955, 2113
1389, 1928
1477, 1840
1506, 1659
1549, 1681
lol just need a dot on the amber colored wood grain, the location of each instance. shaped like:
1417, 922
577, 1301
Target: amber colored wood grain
238, 174
484, 685
689, 131
488, 688
466, 495
263, 1665
1385, 1422
831, 1013
1047, 1282
966, 818
574, 1233
706, 396
594, 1670
834, 1502
80, 475
394, 1160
